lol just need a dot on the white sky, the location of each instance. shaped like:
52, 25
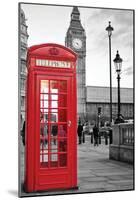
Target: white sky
49, 24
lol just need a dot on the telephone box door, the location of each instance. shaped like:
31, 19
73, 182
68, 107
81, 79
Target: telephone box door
54, 151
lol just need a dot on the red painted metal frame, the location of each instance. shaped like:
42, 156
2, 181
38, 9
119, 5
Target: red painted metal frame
67, 176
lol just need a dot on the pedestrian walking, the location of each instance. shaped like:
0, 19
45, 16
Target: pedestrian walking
79, 130
95, 134
83, 132
23, 134
54, 132
106, 138
91, 133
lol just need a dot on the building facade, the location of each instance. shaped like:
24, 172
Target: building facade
76, 40
22, 62
100, 97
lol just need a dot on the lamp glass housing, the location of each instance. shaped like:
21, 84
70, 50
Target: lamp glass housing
109, 29
118, 63
118, 67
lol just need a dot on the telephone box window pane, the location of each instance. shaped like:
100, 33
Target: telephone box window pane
44, 110
44, 148
62, 132
54, 157
53, 110
54, 117
62, 86
54, 104
54, 145
44, 104
44, 86
54, 97
62, 160
43, 117
43, 144
62, 115
54, 130
43, 136
54, 160
62, 101
63, 145
44, 96
53, 86
44, 160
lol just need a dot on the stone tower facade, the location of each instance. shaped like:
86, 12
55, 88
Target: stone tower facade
22, 62
76, 40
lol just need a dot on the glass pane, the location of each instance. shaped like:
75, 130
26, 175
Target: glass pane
54, 145
62, 115
54, 157
62, 132
44, 160
54, 160
62, 160
54, 130
43, 117
62, 86
44, 96
43, 136
44, 104
54, 97
44, 110
54, 86
44, 86
54, 104
62, 100
62, 145
54, 117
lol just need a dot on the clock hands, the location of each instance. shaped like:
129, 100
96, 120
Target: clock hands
77, 43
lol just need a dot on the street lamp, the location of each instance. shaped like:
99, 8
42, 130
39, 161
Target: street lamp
118, 67
109, 29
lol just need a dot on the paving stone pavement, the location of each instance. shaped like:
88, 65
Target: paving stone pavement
96, 173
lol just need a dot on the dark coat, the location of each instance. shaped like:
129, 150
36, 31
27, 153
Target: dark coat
23, 133
95, 131
54, 130
80, 129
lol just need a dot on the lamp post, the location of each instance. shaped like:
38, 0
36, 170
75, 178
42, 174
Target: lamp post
109, 29
118, 67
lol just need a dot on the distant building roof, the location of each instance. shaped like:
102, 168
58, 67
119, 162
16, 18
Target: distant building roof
98, 94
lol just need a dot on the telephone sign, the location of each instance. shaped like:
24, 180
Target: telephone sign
51, 119
53, 63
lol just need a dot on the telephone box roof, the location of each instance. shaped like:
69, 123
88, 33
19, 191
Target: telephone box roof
51, 50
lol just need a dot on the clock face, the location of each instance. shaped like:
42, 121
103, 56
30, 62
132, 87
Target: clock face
77, 43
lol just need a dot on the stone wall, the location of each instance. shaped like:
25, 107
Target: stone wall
92, 108
122, 148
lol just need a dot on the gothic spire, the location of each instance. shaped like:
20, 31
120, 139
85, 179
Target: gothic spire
75, 19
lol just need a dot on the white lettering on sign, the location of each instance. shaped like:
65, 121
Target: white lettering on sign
53, 63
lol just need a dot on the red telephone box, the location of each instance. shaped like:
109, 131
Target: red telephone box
51, 119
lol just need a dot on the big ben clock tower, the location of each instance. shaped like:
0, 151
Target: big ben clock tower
76, 40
